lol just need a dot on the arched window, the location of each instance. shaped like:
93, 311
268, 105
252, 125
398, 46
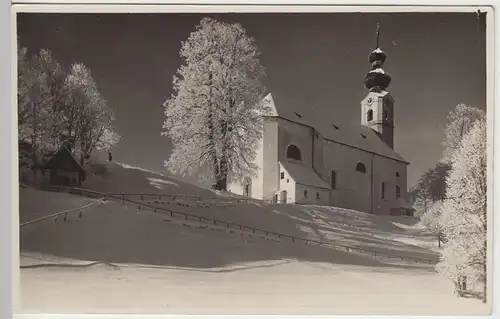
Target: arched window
293, 152
360, 167
369, 115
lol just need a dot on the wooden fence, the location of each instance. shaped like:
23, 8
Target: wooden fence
232, 226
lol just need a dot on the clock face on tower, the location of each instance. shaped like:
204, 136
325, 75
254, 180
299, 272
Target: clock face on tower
369, 101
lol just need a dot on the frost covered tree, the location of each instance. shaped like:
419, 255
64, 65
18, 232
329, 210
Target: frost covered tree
431, 190
460, 121
24, 84
40, 96
214, 115
87, 118
431, 219
463, 214
56, 107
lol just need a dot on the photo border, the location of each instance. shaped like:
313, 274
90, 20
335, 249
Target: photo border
10, 236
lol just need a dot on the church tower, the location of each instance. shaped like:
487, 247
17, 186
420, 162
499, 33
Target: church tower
377, 108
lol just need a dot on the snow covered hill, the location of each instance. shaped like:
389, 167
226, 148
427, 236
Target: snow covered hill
116, 258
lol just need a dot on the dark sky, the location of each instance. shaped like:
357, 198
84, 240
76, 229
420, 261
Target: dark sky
436, 60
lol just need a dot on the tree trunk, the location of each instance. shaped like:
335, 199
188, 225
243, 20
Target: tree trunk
222, 178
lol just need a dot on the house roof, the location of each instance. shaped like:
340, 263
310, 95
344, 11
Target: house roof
332, 128
304, 175
64, 160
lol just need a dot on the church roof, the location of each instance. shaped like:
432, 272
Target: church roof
304, 175
331, 128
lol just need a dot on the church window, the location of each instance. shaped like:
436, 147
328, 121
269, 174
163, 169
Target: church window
369, 115
398, 191
305, 194
246, 192
360, 167
282, 175
383, 190
317, 195
397, 174
333, 180
293, 152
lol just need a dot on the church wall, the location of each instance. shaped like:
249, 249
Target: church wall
287, 184
270, 166
352, 188
385, 171
318, 152
257, 187
298, 135
300, 198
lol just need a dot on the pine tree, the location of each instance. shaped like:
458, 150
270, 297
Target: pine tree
463, 215
214, 116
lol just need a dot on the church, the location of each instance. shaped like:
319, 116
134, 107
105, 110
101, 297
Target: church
307, 158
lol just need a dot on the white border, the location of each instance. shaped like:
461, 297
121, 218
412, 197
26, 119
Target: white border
152, 7
8, 31
237, 3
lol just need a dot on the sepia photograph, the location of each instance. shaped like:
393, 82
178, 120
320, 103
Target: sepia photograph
254, 163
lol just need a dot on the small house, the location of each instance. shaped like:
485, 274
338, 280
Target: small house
64, 169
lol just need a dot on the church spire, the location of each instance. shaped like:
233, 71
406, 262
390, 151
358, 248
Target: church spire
377, 79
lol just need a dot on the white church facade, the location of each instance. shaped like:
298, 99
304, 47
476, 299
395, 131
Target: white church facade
308, 158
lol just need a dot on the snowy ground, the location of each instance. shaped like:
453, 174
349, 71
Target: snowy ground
116, 259
273, 287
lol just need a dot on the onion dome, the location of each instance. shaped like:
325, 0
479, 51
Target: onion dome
377, 78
